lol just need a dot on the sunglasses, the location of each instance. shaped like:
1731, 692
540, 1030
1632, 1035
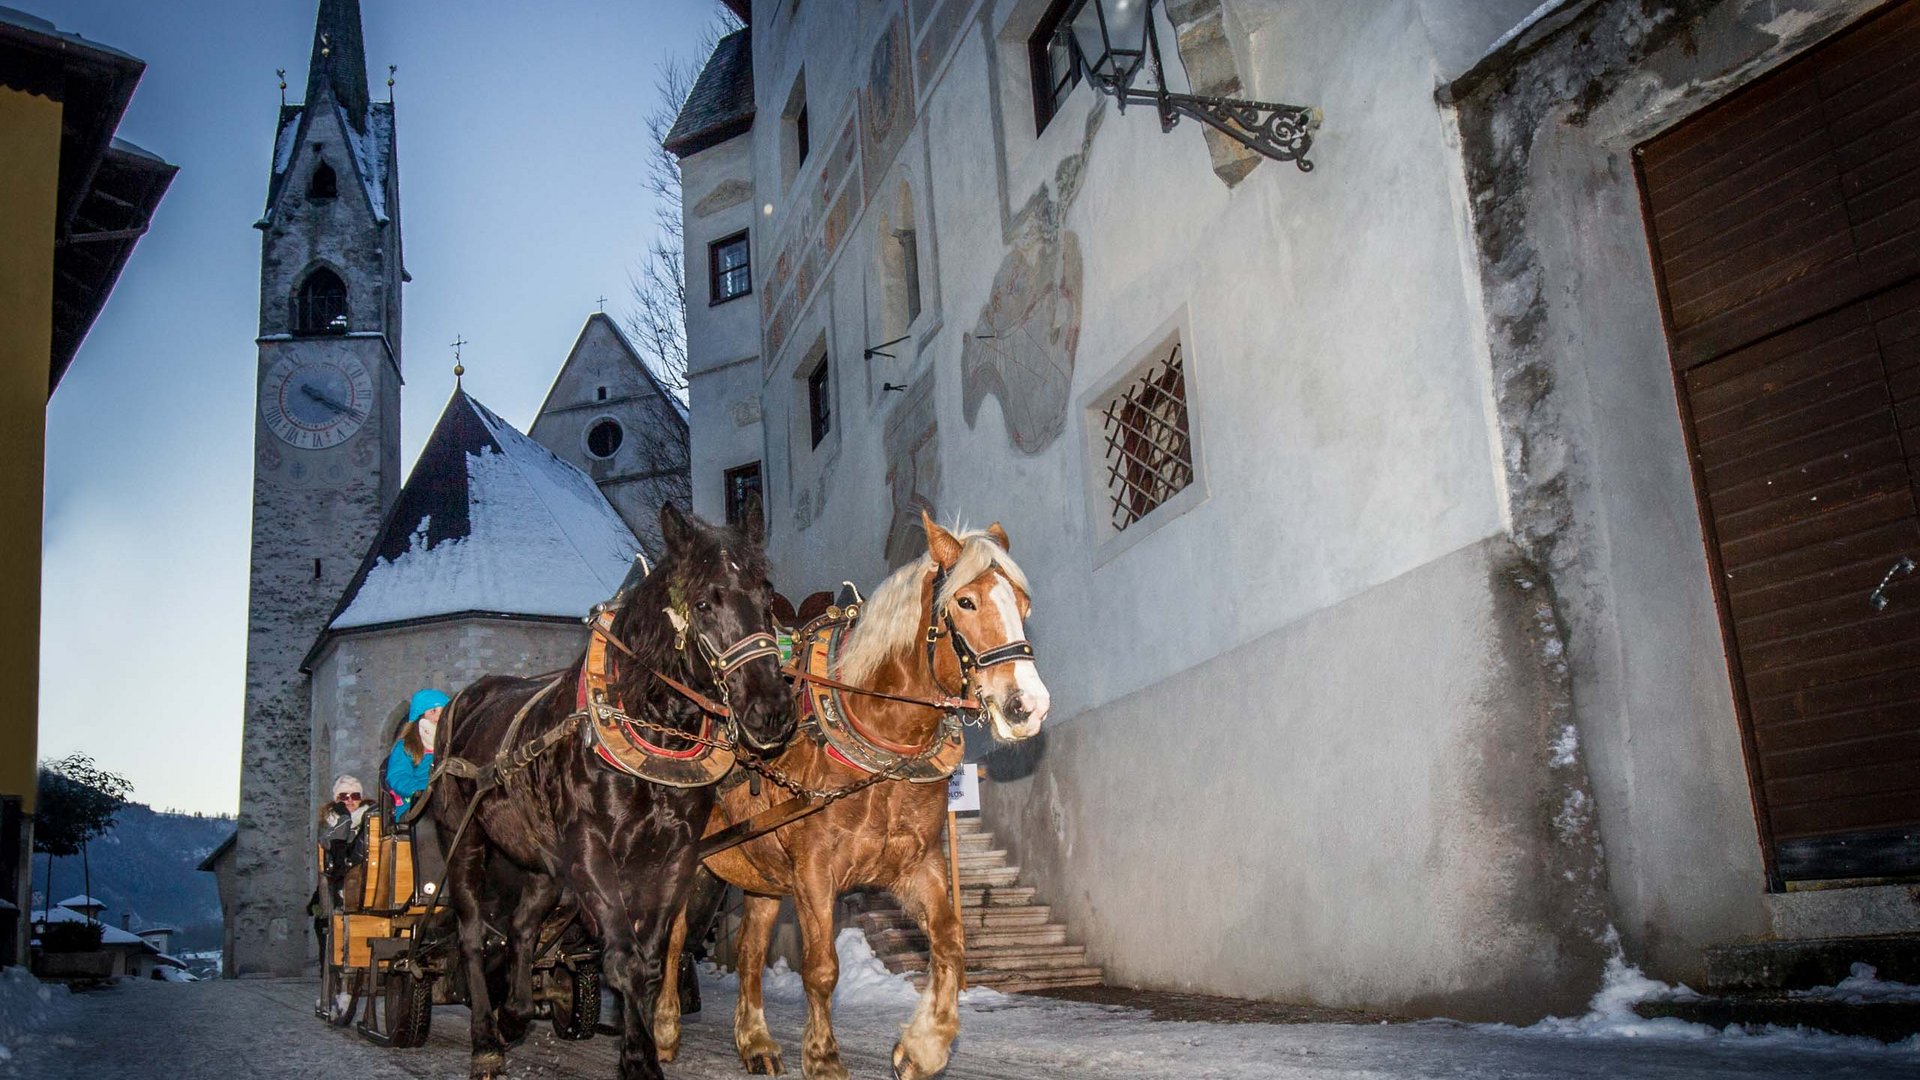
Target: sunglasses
351, 796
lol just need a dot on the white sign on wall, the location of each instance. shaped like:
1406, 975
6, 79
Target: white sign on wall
963, 789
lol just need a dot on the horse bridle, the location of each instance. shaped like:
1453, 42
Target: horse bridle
970, 659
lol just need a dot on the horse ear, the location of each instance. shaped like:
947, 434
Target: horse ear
940, 543
999, 536
674, 528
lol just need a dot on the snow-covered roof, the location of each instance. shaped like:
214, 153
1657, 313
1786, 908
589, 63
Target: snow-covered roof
109, 935
82, 900
489, 522
372, 153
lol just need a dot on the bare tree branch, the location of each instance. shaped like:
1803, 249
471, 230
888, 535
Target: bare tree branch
657, 319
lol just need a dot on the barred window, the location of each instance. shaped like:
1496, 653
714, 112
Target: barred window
1149, 448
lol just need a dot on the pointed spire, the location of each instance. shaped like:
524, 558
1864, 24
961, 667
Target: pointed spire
338, 66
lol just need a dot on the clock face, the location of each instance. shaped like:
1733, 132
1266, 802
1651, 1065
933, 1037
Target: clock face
315, 404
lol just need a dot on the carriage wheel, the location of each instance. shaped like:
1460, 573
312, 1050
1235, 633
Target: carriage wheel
406, 1004
574, 997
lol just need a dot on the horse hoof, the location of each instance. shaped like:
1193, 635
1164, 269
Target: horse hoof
902, 1068
488, 1066
665, 1054
764, 1065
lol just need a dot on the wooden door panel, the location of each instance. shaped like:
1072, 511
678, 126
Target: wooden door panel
1785, 223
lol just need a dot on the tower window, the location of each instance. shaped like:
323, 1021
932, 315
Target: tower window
728, 265
323, 184
600, 393
604, 438
320, 305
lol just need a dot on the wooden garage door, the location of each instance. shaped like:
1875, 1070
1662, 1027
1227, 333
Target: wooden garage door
1785, 226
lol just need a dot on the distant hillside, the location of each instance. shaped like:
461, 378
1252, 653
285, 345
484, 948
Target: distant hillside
145, 867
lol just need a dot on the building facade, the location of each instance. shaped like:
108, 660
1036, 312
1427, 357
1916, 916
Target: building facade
74, 200
1390, 654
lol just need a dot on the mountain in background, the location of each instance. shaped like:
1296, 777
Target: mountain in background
144, 867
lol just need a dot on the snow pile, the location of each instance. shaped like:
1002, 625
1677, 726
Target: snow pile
1610, 1015
370, 155
1862, 986
26, 1005
283, 146
864, 979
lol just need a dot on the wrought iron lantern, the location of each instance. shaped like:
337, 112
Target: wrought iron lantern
1115, 44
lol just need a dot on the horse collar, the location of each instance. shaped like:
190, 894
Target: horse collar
617, 737
850, 742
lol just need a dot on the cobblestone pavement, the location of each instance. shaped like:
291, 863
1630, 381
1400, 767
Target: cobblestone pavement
265, 1029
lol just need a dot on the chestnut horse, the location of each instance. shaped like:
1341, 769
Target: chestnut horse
621, 847
949, 624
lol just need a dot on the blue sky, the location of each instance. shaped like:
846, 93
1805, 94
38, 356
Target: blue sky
522, 159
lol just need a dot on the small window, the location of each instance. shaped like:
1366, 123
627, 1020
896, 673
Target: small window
796, 135
744, 509
731, 273
819, 403
1149, 448
1055, 68
320, 306
604, 437
323, 184
600, 393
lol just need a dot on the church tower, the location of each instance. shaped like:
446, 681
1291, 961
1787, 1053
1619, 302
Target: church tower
326, 453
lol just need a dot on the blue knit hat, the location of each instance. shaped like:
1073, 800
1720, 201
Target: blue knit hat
424, 700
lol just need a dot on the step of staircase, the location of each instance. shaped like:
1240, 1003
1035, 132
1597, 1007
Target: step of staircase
979, 918
1012, 943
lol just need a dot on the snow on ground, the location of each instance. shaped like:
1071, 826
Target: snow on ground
26, 1006
1861, 986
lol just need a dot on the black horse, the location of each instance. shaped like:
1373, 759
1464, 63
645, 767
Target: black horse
620, 847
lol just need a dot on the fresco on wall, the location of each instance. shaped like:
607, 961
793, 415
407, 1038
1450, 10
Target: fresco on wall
1022, 349
813, 230
886, 104
938, 30
913, 471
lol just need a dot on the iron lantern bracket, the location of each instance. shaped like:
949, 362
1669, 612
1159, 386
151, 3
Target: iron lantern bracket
1281, 132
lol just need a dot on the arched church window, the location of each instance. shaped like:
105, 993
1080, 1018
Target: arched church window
323, 184
320, 306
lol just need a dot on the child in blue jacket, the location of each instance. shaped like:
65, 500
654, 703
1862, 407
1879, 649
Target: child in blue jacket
411, 762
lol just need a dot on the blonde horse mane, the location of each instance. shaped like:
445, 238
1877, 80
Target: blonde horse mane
891, 618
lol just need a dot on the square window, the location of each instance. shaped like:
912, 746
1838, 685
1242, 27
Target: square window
1051, 52
819, 403
1148, 456
730, 269
745, 510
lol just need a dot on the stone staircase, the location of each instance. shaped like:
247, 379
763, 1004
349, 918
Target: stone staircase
1772, 982
1013, 944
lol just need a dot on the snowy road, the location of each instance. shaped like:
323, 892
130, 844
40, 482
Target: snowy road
264, 1029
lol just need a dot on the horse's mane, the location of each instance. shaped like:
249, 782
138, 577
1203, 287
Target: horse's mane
642, 623
892, 617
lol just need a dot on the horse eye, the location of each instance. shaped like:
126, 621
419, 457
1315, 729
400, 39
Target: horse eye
702, 606
966, 602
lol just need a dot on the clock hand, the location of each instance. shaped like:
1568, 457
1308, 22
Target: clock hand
328, 401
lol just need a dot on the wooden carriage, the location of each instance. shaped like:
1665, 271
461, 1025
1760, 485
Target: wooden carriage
389, 955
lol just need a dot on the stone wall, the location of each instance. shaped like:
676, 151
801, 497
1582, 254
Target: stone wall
1600, 487
359, 678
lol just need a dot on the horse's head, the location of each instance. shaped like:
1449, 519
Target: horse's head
980, 607
718, 601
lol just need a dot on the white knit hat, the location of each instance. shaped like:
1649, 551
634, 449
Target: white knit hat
344, 783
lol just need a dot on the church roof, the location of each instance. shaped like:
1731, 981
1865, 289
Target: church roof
489, 522
337, 79
720, 105
626, 345
338, 65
